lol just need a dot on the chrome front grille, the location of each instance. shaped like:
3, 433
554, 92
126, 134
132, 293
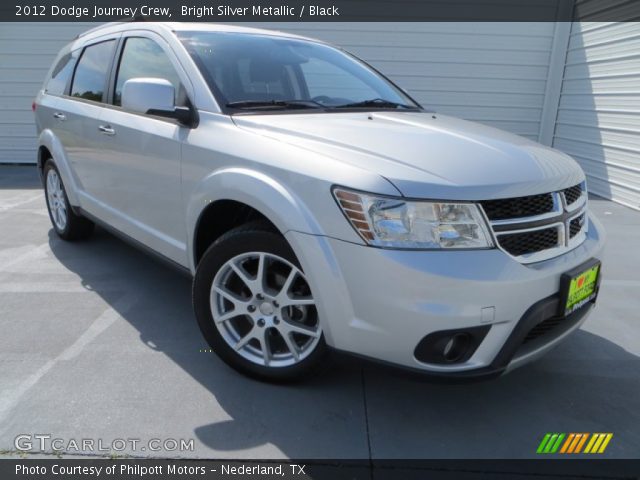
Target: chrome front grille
572, 194
518, 207
576, 225
525, 243
539, 227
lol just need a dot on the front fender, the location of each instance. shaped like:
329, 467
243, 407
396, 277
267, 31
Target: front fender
49, 140
281, 206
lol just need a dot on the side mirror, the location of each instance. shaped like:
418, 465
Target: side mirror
155, 96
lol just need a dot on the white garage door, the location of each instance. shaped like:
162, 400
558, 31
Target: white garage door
494, 73
26, 53
599, 113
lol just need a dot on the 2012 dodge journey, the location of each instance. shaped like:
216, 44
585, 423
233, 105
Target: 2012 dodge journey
317, 206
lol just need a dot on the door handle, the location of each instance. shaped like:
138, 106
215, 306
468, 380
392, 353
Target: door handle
59, 116
107, 130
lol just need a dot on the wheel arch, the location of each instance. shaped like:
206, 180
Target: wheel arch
50, 147
219, 217
230, 197
43, 155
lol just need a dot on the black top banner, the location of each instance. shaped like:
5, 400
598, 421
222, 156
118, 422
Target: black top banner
321, 10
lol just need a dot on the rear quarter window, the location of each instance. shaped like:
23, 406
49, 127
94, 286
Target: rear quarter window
61, 74
90, 78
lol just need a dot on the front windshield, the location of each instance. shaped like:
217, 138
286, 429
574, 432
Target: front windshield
249, 72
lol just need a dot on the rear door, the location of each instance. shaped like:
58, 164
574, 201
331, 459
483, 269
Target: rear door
51, 112
80, 116
142, 153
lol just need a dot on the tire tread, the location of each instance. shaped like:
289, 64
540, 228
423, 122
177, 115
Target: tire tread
313, 365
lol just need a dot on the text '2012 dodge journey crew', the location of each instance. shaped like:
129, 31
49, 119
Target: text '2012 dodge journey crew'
316, 205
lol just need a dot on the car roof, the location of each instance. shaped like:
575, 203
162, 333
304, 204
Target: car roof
167, 27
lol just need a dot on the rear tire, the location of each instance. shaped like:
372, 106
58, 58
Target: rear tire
66, 223
255, 308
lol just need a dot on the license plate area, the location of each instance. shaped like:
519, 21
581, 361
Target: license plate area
579, 287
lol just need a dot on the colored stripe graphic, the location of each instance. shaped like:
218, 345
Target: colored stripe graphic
605, 443
598, 443
567, 443
573, 443
556, 446
550, 443
594, 437
543, 443
581, 443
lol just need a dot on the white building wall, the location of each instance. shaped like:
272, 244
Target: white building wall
493, 73
598, 121
26, 53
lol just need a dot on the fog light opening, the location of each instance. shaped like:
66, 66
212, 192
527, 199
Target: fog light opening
448, 347
456, 347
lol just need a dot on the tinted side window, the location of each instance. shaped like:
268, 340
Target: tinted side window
91, 73
142, 57
62, 74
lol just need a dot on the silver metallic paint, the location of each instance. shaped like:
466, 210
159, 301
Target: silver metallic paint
154, 178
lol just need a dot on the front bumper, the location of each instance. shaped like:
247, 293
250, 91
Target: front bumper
380, 303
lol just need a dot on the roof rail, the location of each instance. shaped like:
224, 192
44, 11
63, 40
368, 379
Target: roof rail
136, 18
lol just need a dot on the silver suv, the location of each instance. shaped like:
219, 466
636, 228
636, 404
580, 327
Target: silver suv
316, 204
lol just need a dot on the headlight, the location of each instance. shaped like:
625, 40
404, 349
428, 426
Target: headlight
396, 223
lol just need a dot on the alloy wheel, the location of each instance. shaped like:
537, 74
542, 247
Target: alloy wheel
56, 199
263, 308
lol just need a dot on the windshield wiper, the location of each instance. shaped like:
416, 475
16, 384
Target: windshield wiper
376, 102
268, 104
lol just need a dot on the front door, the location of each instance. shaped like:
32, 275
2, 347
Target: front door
143, 153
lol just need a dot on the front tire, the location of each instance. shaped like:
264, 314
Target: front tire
255, 308
67, 224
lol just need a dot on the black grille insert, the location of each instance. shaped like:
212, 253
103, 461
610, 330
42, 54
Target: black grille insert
509, 208
524, 243
572, 194
575, 226
543, 328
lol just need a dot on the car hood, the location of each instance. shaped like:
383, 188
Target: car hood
426, 155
